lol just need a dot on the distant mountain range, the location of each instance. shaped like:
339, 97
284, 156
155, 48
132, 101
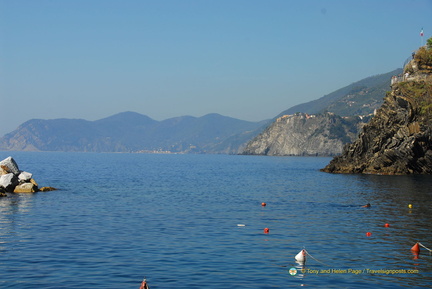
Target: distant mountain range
133, 132
212, 133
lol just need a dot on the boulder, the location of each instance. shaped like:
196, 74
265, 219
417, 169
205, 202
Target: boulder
26, 188
10, 166
16, 181
33, 182
3, 170
47, 189
8, 182
24, 177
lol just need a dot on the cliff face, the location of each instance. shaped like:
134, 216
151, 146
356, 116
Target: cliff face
398, 139
302, 134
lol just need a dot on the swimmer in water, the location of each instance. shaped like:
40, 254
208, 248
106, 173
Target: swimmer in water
366, 206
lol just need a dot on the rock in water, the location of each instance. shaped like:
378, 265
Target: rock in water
26, 188
8, 182
47, 189
14, 180
10, 166
398, 139
25, 177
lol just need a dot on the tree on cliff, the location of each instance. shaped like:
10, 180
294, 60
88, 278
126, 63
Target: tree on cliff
423, 57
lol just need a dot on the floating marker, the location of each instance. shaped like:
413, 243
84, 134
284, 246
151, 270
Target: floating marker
301, 257
416, 248
144, 284
386, 225
368, 234
263, 204
266, 230
410, 206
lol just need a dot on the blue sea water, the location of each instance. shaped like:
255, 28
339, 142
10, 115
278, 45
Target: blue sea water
173, 219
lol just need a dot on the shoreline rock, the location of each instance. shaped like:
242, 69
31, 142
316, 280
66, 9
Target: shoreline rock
398, 139
13, 180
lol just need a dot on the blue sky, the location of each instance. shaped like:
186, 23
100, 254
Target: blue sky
246, 59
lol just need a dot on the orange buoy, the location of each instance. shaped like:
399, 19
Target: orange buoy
263, 204
266, 230
144, 284
386, 225
368, 234
416, 248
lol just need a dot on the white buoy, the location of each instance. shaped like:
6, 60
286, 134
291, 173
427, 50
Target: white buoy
301, 257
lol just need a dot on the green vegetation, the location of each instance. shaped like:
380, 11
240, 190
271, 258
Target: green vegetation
423, 57
419, 90
414, 89
426, 100
359, 98
426, 108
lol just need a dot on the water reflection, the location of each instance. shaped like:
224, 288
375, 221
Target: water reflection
15, 203
11, 208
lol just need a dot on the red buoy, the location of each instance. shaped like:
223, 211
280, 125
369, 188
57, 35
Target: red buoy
266, 230
263, 204
416, 248
387, 225
144, 284
368, 234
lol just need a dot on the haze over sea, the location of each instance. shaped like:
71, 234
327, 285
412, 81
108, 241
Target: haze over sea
118, 218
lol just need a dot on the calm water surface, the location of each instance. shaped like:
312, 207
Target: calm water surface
174, 219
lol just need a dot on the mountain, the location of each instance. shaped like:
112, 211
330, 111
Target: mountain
398, 139
213, 133
302, 134
359, 98
132, 132
322, 127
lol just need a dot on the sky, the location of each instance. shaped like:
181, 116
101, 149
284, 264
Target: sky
246, 59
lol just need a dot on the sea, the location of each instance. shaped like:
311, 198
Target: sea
197, 221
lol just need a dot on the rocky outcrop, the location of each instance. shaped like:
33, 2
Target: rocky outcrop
398, 139
302, 134
13, 180
8, 182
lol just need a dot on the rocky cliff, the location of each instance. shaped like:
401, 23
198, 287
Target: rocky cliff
398, 139
302, 134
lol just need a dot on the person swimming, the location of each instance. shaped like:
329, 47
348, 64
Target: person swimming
366, 206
